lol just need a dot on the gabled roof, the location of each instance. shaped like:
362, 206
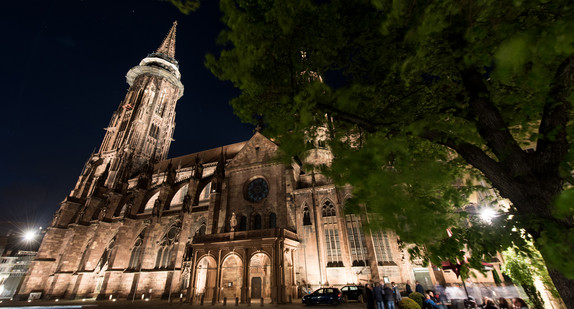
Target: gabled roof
206, 156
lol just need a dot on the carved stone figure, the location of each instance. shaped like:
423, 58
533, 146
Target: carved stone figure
233, 222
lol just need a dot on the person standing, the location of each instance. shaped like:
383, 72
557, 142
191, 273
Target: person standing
408, 288
368, 296
419, 288
396, 293
389, 298
378, 296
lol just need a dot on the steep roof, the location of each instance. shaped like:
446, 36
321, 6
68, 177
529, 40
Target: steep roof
206, 156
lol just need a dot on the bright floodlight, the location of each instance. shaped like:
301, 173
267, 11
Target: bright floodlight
486, 214
29, 235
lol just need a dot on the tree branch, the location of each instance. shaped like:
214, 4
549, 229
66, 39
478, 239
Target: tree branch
553, 144
473, 155
489, 121
366, 124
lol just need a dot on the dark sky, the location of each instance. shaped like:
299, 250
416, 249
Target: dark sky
63, 75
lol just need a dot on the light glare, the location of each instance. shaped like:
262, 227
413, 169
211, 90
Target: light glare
486, 214
29, 235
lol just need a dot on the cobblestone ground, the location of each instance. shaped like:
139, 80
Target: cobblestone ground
159, 304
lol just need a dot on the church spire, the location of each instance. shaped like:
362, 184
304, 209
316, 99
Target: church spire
167, 47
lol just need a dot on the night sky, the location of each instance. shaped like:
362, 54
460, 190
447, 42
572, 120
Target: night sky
63, 75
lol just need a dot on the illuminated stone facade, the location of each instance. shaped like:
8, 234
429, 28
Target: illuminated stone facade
230, 222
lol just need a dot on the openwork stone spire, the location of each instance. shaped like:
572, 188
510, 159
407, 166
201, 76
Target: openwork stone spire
167, 47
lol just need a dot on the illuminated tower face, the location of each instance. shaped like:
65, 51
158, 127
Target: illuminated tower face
142, 127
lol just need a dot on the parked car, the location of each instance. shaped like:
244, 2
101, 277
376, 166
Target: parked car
353, 292
330, 296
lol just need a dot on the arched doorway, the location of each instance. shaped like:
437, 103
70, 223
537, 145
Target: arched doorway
231, 276
260, 276
206, 275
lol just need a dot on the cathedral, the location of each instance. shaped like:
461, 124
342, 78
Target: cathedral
231, 222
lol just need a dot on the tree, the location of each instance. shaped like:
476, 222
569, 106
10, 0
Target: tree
525, 270
418, 95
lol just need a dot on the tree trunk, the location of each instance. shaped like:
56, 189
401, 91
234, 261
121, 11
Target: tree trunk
564, 286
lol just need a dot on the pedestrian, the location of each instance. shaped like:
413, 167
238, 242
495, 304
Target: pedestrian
489, 304
389, 298
503, 303
396, 292
419, 288
378, 296
428, 303
368, 296
408, 288
441, 300
519, 303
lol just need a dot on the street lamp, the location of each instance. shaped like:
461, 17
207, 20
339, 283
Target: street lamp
486, 214
29, 235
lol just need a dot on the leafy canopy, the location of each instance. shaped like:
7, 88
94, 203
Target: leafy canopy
422, 100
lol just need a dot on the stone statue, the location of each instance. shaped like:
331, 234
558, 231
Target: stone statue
233, 222
156, 204
186, 202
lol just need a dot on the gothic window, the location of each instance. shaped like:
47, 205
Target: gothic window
272, 220
243, 223
82, 265
382, 247
306, 216
166, 246
357, 242
257, 222
328, 209
201, 230
105, 258
332, 240
154, 131
135, 258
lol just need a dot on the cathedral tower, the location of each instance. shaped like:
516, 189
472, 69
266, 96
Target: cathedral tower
141, 129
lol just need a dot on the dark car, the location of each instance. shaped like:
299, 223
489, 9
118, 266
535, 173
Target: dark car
330, 296
353, 292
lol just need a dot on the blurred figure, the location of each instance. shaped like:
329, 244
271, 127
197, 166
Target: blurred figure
368, 296
396, 292
503, 303
519, 303
470, 302
408, 288
389, 298
419, 288
378, 295
489, 304
429, 303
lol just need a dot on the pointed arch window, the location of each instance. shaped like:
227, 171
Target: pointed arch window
166, 247
257, 222
306, 216
272, 220
243, 223
135, 258
382, 247
328, 209
357, 243
332, 239
105, 258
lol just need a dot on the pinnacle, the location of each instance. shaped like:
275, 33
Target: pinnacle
167, 47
